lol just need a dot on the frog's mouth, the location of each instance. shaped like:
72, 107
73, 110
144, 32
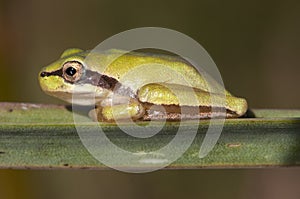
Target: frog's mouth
80, 98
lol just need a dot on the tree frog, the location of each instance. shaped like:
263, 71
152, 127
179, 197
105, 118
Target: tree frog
134, 85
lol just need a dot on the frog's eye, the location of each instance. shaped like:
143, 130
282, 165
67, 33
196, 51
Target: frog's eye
72, 71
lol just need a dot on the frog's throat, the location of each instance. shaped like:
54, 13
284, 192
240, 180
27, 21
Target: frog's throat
96, 79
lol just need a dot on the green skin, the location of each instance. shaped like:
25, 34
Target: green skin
139, 86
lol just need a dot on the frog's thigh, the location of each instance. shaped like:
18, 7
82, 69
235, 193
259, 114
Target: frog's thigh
173, 97
133, 110
167, 94
161, 101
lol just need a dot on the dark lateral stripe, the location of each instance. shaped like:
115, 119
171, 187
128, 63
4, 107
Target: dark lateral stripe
106, 82
95, 79
173, 112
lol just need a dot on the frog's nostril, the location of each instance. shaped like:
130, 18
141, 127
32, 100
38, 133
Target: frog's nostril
44, 74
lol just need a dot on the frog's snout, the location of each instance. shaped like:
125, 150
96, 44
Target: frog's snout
53, 73
47, 74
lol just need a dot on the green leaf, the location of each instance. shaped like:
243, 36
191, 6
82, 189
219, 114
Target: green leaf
44, 136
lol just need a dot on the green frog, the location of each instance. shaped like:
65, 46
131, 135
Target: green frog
163, 81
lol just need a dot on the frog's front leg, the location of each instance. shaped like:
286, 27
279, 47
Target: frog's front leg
131, 110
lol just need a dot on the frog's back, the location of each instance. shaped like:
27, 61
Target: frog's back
135, 69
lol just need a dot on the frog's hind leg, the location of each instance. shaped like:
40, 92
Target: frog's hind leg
163, 101
176, 102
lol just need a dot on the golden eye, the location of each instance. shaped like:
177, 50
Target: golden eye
72, 71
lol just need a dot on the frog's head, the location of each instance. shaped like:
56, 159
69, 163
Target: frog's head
69, 76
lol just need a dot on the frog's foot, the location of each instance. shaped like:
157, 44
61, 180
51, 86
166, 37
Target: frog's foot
131, 111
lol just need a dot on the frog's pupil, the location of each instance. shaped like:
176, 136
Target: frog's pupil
71, 71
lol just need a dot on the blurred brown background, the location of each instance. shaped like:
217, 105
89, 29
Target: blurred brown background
255, 44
